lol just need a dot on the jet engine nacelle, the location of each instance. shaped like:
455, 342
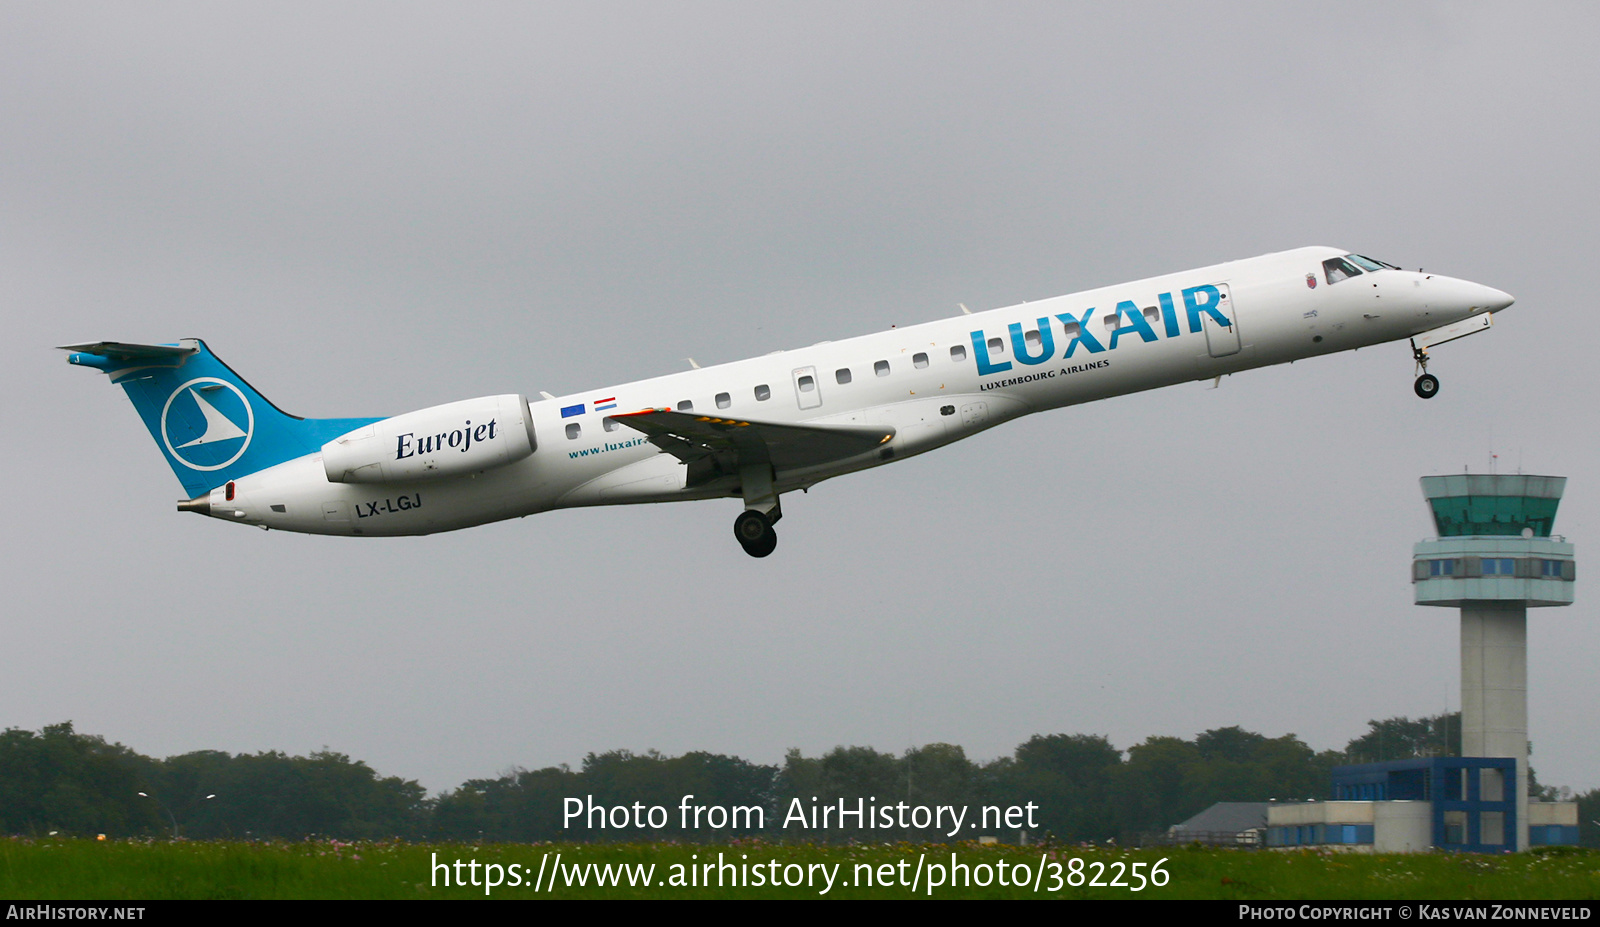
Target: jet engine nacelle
449, 440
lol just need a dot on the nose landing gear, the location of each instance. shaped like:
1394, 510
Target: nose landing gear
1427, 385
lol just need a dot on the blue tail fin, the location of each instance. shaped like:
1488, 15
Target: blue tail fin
210, 424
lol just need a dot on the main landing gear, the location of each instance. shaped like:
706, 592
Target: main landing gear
754, 532
1427, 385
753, 527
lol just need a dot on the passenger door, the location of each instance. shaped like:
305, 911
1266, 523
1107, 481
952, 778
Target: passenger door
1222, 340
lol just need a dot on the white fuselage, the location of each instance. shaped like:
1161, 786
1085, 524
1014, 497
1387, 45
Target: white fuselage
933, 384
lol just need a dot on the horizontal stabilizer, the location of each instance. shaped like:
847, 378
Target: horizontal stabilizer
690, 437
121, 351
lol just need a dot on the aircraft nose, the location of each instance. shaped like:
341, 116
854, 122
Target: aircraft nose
1495, 300
1452, 294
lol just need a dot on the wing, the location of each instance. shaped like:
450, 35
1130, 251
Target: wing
693, 438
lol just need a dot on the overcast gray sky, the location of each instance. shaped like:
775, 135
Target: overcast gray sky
369, 208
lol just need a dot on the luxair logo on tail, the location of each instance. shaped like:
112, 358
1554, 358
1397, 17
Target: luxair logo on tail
207, 423
1130, 323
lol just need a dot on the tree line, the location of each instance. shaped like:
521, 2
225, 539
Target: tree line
1082, 787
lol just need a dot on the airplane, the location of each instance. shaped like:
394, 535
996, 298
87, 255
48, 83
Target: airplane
756, 429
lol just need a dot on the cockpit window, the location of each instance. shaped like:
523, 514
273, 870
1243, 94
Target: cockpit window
1366, 263
1339, 269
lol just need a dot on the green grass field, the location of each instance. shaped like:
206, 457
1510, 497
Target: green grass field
69, 869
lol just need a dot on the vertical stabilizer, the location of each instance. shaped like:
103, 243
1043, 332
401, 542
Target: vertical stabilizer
209, 423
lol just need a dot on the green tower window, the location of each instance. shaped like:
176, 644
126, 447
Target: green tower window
1502, 516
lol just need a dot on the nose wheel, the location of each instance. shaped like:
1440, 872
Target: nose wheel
754, 532
1427, 385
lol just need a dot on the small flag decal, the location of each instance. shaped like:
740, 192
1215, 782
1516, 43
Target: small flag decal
600, 405
570, 411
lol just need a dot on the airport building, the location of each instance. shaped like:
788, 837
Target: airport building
1495, 557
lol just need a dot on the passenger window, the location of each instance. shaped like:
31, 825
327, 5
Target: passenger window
724, 400
881, 368
573, 430
610, 424
842, 375
763, 393
806, 383
958, 353
1033, 340
996, 346
1151, 314
686, 406
919, 361
1339, 269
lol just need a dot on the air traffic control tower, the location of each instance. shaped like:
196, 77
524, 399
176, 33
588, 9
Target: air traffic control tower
1495, 557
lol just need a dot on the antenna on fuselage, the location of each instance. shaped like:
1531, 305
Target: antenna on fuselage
692, 363
964, 309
